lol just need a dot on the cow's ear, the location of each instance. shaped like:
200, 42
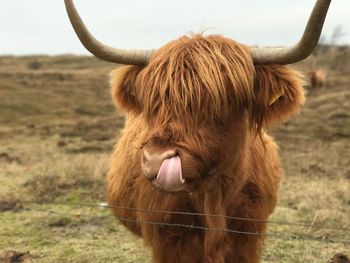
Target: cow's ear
124, 82
278, 94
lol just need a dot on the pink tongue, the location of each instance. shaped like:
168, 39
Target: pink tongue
170, 174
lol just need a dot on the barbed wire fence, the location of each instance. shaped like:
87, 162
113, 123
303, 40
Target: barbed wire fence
301, 224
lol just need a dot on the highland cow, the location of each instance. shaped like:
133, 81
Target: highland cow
194, 140
317, 78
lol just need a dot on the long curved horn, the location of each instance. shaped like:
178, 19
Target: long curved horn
116, 55
307, 43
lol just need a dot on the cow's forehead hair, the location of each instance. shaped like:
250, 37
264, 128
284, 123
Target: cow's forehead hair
199, 75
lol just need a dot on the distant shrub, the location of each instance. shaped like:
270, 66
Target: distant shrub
9, 202
35, 65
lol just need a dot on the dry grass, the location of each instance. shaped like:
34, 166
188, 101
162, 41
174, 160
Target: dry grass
58, 127
48, 181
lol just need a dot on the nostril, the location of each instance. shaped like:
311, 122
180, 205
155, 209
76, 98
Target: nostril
146, 156
155, 159
168, 154
158, 156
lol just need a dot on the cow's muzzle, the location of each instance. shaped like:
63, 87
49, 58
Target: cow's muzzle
163, 168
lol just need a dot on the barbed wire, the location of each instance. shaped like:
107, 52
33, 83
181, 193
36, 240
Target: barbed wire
274, 235
193, 227
298, 224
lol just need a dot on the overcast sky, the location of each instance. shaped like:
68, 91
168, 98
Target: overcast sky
42, 26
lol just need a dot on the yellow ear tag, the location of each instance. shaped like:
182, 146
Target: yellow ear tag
275, 97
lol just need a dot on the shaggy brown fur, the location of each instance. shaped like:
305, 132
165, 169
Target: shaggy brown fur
204, 96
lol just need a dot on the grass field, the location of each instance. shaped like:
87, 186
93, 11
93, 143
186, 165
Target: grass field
57, 130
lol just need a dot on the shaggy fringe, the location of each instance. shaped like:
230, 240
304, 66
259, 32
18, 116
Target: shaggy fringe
202, 79
198, 76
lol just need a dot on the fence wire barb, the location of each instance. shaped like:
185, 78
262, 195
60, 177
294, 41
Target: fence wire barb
270, 234
274, 235
232, 231
301, 224
298, 224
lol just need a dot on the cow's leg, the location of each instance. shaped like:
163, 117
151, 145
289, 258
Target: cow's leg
246, 249
247, 237
186, 247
